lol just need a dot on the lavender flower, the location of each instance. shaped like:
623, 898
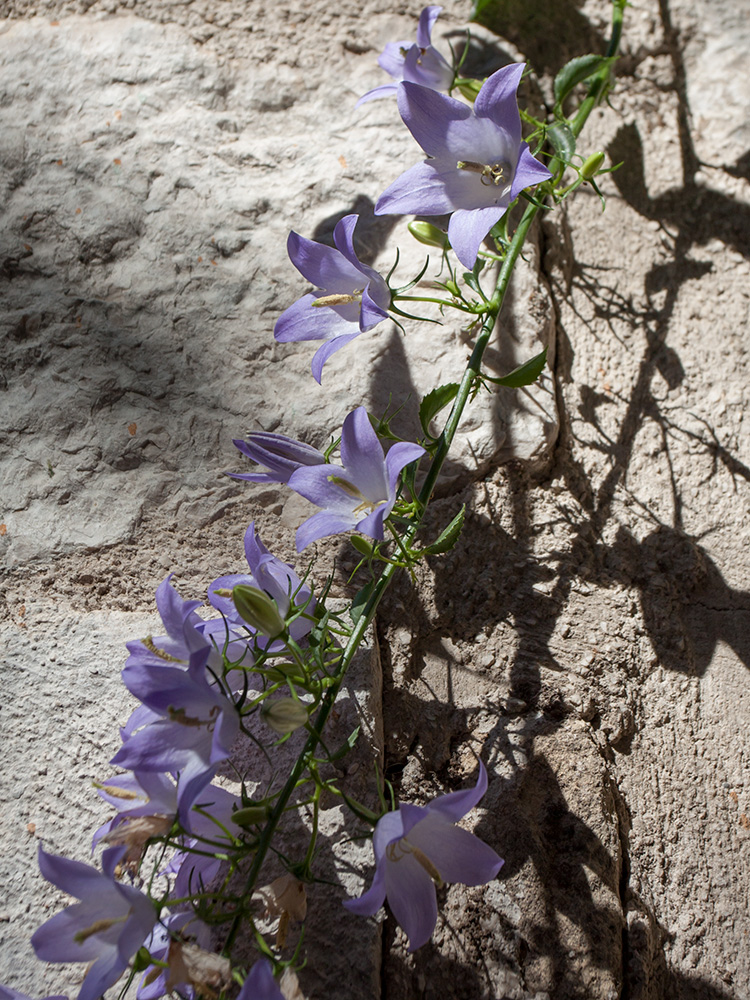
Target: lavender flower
279, 454
350, 297
107, 926
478, 162
260, 983
361, 494
416, 63
417, 847
191, 728
277, 579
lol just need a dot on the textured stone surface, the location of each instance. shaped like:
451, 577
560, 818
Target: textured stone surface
590, 634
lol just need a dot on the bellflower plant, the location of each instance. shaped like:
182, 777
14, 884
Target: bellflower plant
417, 847
350, 297
419, 63
478, 163
359, 495
107, 926
280, 455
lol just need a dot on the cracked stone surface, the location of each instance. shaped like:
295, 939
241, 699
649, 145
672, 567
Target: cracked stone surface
590, 634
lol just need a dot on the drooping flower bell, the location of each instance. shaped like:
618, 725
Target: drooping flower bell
419, 847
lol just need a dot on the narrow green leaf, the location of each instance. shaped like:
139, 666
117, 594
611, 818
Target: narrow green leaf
434, 402
448, 537
525, 374
563, 141
575, 72
360, 601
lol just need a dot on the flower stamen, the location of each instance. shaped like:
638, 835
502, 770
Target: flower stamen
489, 173
402, 847
338, 299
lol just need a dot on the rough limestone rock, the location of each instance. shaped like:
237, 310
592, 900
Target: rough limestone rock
590, 634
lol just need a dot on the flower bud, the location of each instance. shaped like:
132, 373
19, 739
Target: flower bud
469, 88
431, 236
257, 609
284, 715
250, 815
592, 166
286, 669
362, 545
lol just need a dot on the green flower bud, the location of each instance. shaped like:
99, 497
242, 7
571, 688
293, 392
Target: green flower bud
282, 671
431, 236
362, 545
592, 166
469, 88
258, 610
453, 288
284, 715
250, 815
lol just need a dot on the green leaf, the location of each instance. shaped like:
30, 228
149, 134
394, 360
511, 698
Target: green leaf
434, 402
448, 537
575, 72
345, 747
525, 374
360, 601
563, 141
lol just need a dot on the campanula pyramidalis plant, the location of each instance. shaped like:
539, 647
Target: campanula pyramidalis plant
478, 164
358, 495
107, 926
418, 62
350, 297
419, 847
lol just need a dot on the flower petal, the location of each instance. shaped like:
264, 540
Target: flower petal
362, 456
370, 313
323, 266
411, 897
455, 805
497, 100
260, 983
426, 22
384, 90
421, 190
399, 456
304, 321
528, 171
325, 351
314, 484
429, 115
321, 524
458, 855
467, 229
368, 904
